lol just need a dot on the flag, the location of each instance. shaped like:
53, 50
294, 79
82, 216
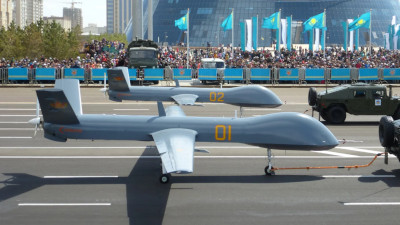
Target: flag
255, 33
289, 33
363, 21
182, 22
271, 22
345, 29
249, 35
243, 36
283, 34
317, 21
227, 23
310, 43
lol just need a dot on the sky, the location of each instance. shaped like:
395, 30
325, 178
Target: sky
93, 11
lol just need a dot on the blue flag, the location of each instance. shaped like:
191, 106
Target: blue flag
182, 22
289, 33
243, 36
345, 30
363, 21
271, 22
227, 23
255, 32
317, 21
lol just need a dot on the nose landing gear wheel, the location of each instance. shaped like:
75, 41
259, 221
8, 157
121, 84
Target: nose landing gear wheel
269, 171
164, 178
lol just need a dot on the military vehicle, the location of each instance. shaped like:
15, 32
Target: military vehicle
356, 99
389, 135
142, 54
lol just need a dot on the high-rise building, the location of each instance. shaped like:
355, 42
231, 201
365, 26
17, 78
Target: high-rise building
110, 16
6, 12
75, 15
28, 11
65, 23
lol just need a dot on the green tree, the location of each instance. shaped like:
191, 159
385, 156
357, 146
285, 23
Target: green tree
32, 40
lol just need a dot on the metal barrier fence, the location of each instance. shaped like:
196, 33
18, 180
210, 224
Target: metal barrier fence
274, 76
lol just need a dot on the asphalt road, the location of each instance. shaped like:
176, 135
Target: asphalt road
109, 182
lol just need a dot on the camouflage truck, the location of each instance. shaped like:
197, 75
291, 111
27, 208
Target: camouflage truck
356, 99
142, 54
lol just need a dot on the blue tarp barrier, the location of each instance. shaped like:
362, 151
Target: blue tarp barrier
368, 74
132, 74
260, 74
72, 73
233, 74
315, 74
183, 74
340, 74
18, 74
207, 74
289, 74
153, 74
98, 74
391, 74
45, 74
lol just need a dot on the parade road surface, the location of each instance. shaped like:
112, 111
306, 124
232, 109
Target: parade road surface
116, 182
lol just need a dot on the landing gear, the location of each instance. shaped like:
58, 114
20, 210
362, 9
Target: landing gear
165, 178
241, 112
269, 170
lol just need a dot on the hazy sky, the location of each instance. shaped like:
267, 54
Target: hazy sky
93, 11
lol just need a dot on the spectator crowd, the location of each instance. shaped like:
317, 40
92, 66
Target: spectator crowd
109, 54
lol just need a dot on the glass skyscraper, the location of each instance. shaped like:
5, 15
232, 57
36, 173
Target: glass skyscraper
206, 17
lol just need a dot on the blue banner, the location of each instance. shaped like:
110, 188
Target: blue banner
255, 33
289, 33
289, 74
233, 74
72, 73
132, 74
153, 74
98, 74
315, 74
18, 74
207, 74
45, 74
311, 41
243, 36
368, 74
345, 28
340, 74
183, 74
260, 74
391, 74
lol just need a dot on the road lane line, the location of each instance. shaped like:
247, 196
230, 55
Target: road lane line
64, 204
17, 115
14, 129
335, 154
359, 176
15, 137
72, 177
131, 109
197, 157
5, 109
370, 203
13, 122
359, 150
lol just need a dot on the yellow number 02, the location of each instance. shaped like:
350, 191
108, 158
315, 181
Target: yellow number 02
222, 136
216, 97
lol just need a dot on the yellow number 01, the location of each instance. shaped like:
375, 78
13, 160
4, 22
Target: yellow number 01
214, 96
222, 136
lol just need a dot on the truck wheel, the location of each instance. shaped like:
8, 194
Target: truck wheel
324, 115
312, 96
386, 131
336, 114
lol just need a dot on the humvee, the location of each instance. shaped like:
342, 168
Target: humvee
356, 99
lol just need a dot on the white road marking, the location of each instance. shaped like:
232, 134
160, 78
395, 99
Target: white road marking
15, 137
131, 109
359, 176
5, 109
263, 109
71, 177
13, 122
64, 204
336, 154
359, 150
370, 203
133, 147
21, 129
17, 115
197, 157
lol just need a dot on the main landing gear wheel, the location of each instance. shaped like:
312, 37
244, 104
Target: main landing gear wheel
164, 178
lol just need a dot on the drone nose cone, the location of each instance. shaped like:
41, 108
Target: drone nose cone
270, 99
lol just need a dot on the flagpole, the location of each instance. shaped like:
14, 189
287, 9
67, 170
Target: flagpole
324, 31
232, 32
187, 39
370, 33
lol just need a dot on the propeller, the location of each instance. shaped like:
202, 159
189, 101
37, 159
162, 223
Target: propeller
104, 89
36, 121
